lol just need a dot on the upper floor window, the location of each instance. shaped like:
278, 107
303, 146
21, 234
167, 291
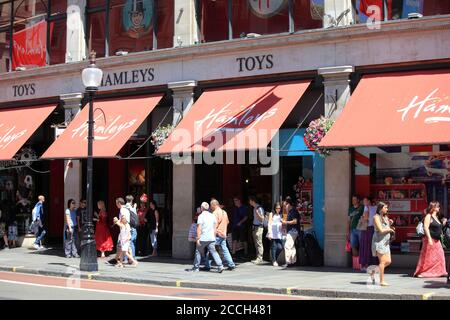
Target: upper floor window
231, 19
129, 25
397, 9
32, 33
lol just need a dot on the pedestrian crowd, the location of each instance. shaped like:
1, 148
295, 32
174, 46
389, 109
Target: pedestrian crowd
211, 226
275, 235
371, 232
137, 228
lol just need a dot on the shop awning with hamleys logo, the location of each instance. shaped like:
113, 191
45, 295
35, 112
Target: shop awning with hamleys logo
235, 118
115, 122
17, 125
393, 109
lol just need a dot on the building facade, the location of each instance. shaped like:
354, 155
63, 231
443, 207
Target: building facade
179, 50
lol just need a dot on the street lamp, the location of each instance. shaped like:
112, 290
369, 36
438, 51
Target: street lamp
92, 78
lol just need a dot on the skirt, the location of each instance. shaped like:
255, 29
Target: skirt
103, 239
431, 261
365, 246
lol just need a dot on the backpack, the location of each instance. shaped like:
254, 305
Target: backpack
302, 258
134, 220
446, 236
313, 251
420, 230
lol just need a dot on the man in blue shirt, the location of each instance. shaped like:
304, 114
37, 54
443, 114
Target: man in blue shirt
38, 221
239, 225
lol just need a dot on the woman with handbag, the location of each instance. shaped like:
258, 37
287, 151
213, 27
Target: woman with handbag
366, 228
432, 258
381, 240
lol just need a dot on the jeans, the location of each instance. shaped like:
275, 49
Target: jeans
277, 247
132, 244
70, 240
200, 253
354, 238
133, 241
154, 239
40, 235
222, 242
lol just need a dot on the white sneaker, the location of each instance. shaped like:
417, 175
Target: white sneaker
275, 264
36, 246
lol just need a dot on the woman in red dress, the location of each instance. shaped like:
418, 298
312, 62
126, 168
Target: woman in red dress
103, 237
432, 259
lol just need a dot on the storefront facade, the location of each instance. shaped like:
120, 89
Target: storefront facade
191, 59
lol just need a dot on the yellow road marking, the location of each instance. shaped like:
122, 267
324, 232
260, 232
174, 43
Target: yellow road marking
427, 296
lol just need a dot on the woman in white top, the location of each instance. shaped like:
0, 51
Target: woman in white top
365, 239
274, 232
125, 241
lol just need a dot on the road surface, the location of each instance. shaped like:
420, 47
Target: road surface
26, 286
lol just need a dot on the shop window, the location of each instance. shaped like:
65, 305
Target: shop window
95, 3
58, 7
308, 14
30, 32
4, 51
260, 17
165, 25
57, 50
5, 14
214, 20
96, 29
130, 26
400, 9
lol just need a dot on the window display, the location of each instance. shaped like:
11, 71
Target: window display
17, 189
408, 182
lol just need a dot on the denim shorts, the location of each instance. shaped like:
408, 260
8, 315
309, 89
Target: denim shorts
354, 238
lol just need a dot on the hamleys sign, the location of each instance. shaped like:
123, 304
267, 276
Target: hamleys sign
9, 134
104, 130
228, 117
432, 108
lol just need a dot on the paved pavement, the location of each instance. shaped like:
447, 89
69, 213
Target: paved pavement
302, 281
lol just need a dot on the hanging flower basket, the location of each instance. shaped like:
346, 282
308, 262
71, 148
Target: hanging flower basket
160, 135
315, 132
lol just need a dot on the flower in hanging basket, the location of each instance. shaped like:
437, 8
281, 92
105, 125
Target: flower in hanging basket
160, 135
315, 132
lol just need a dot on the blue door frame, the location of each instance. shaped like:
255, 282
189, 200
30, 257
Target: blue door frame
292, 144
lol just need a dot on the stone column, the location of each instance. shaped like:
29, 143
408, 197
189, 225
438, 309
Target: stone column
72, 168
75, 42
337, 169
183, 177
338, 13
185, 31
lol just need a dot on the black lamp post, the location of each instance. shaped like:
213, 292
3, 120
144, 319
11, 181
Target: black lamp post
92, 78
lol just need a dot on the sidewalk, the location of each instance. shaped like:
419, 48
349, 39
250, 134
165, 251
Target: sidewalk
305, 281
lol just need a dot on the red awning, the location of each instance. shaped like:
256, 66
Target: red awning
17, 125
409, 108
235, 118
115, 122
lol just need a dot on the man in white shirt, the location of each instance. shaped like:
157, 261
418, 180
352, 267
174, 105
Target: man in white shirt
221, 234
206, 238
